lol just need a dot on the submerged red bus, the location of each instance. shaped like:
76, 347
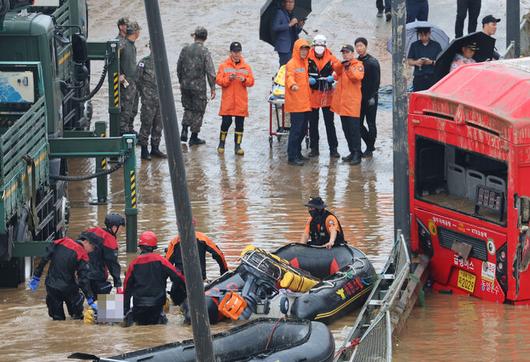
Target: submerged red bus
469, 158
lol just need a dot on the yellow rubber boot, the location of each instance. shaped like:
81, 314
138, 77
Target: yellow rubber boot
238, 138
221, 147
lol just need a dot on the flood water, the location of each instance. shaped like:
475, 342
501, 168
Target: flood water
258, 199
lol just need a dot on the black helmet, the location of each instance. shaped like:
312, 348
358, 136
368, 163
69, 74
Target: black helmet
91, 237
317, 203
114, 219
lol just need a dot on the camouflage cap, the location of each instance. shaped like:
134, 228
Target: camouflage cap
133, 27
123, 21
200, 32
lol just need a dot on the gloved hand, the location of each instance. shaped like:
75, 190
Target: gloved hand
34, 283
119, 290
92, 304
312, 81
371, 102
330, 79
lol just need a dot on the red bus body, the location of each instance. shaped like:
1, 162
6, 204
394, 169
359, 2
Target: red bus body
469, 159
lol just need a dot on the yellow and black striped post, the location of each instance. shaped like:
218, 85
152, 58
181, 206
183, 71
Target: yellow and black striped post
114, 87
131, 193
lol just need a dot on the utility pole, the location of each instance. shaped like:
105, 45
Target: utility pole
399, 116
190, 255
513, 25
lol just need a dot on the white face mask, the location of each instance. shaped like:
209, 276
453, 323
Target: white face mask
319, 49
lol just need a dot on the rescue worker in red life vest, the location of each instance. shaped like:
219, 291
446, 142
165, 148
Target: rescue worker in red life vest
204, 244
145, 282
104, 259
322, 228
67, 273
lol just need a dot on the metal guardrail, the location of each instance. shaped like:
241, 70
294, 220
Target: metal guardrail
377, 319
525, 40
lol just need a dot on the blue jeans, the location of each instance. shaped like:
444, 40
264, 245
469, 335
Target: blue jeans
417, 10
285, 57
297, 133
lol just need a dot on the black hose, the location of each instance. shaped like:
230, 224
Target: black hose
98, 86
114, 168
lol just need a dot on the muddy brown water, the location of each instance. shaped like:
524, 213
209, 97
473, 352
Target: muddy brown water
257, 199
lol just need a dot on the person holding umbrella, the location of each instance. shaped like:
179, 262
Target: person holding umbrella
466, 57
286, 29
422, 56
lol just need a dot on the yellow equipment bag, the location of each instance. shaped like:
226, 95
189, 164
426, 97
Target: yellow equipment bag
296, 282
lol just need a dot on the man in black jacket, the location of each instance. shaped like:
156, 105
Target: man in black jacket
145, 282
104, 259
66, 275
370, 89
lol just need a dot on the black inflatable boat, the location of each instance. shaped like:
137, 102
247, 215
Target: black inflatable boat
273, 340
345, 277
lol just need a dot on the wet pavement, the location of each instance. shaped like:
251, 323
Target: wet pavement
258, 198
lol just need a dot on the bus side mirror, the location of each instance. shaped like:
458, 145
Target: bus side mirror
79, 48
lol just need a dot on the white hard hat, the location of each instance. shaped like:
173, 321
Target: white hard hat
320, 40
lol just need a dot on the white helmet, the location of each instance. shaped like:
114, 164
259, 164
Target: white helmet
319, 40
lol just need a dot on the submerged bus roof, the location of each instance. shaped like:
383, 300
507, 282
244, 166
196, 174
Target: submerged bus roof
495, 94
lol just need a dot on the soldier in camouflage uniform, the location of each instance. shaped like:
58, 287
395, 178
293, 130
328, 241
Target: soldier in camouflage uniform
128, 78
150, 112
194, 66
122, 30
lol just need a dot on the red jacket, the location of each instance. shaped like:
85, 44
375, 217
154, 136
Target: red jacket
234, 101
322, 93
105, 260
296, 72
145, 280
348, 96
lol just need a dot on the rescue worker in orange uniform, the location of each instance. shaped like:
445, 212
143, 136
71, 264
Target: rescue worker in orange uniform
322, 228
234, 76
347, 100
145, 282
104, 259
321, 80
297, 100
204, 244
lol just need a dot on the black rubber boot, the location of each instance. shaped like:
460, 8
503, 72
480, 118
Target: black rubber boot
314, 153
145, 154
333, 153
356, 159
238, 138
184, 134
221, 147
195, 140
155, 152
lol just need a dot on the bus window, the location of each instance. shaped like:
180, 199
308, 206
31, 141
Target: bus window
460, 180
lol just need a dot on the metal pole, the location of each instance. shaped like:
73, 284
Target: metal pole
190, 254
513, 25
399, 115
100, 130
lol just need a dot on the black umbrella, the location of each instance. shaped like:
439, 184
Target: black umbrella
268, 11
486, 49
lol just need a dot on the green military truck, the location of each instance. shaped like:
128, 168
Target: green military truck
45, 117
